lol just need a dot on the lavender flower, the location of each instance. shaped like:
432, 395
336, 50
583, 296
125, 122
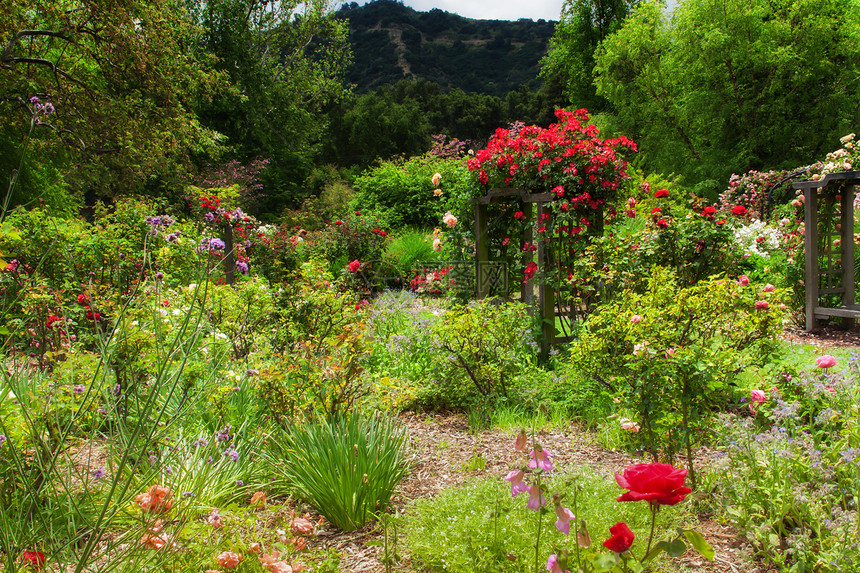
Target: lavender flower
78, 389
242, 267
234, 455
98, 474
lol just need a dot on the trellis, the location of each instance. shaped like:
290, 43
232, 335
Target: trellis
546, 296
829, 266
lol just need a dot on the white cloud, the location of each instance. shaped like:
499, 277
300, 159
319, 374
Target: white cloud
492, 10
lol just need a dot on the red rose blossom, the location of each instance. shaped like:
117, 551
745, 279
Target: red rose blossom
660, 483
621, 538
660, 193
35, 559
739, 210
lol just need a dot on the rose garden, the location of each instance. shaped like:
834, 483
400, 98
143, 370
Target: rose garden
188, 389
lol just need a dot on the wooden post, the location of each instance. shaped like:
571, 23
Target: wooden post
527, 292
230, 257
482, 251
847, 250
810, 220
546, 297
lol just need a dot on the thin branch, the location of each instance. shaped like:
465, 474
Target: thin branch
8, 62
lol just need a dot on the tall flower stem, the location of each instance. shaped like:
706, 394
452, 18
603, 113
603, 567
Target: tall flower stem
655, 507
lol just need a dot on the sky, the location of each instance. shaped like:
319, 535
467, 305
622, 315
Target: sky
491, 9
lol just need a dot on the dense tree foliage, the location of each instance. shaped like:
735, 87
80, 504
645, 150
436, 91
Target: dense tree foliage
107, 85
570, 60
723, 85
285, 62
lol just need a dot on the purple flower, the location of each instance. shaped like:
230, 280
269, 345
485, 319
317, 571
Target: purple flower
234, 455
78, 389
98, 473
159, 276
216, 245
172, 238
209, 217
2, 439
168, 470
34, 99
239, 483
117, 390
242, 267
224, 435
187, 494
201, 443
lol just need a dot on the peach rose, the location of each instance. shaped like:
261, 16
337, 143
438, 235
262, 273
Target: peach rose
229, 559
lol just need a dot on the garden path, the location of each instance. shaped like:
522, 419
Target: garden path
446, 454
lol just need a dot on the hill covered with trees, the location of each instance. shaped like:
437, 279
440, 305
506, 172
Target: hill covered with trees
391, 42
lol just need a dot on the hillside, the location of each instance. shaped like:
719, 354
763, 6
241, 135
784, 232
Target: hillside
391, 41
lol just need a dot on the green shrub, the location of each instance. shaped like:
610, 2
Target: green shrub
671, 353
403, 192
346, 467
407, 250
482, 346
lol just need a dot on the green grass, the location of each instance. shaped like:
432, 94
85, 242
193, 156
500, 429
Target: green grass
479, 527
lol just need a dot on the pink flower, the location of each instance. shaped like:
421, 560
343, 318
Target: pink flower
517, 485
761, 305
354, 266
564, 518
743, 280
553, 566
229, 559
636, 319
768, 288
449, 219
536, 500
301, 526
521, 441
758, 396
214, 519
825, 361
540, 458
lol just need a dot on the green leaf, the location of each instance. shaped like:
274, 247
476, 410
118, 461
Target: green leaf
605, 562
700, 544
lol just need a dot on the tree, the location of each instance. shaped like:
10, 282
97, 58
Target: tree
285, 62
570, 59
726, 85
119, 78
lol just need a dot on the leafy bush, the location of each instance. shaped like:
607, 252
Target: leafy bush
482, 346
346, 467
402, 192
671, 353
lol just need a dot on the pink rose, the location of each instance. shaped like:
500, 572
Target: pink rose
660, 483
761, 305
636, 319
229, 559
758, 396
743, 280
768, 288
825, 361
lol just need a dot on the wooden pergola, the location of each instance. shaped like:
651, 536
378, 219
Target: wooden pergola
829, 268
546, 295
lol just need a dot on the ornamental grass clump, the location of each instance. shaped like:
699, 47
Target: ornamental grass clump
347, 467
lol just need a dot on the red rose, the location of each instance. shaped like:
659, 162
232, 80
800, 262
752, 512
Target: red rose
621, 539
660, 483
662, 223
659, 194
519, 215
739, 210
35, 559
354, 266
709, 212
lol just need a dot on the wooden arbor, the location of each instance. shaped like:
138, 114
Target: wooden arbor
829, 268
546, 295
